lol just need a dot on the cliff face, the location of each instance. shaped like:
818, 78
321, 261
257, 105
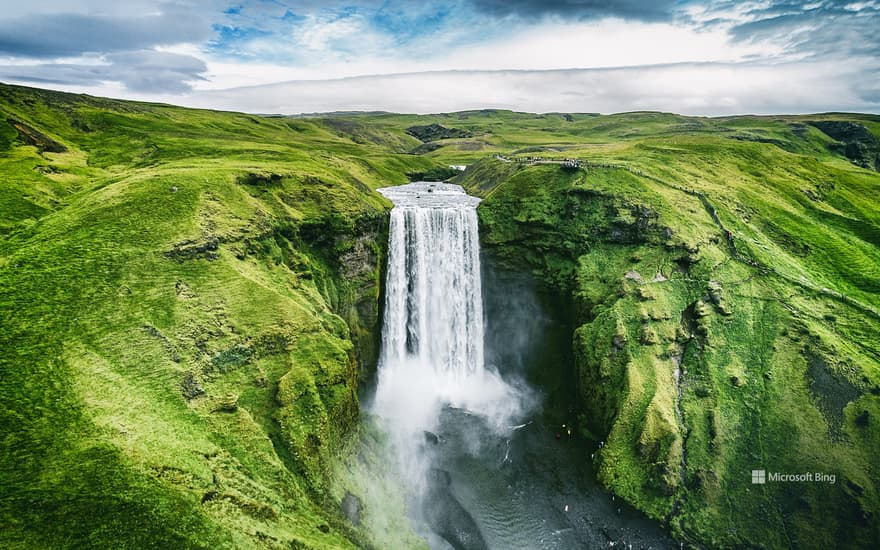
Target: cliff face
854, 141
700, 355
362, 266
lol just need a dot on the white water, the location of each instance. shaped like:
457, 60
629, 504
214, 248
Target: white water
492, 475
432, 337
434, 309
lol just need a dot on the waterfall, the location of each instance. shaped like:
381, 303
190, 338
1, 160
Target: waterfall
466, 449
434, 309
432, 336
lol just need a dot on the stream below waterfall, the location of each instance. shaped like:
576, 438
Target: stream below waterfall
475, 390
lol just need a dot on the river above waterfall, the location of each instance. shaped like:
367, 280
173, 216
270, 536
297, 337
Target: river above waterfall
475, 390
429, 194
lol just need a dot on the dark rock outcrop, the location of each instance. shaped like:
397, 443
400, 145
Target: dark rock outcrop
857, 143
191, 387
191, 250
31, 136
260, 180
433, 132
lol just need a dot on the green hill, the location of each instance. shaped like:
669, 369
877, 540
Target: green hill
189, 300
726, 297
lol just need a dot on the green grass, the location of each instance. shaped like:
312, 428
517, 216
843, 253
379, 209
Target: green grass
746, 330
113, 295
189, 300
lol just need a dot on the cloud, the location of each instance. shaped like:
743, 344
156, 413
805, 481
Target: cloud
157, 72
697, 89
349, 47
94, 42
144, 71
815, 29
642, 10
318, 33
709, 56
53, 35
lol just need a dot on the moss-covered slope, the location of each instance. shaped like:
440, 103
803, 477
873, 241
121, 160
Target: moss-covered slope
184, 299
727, 295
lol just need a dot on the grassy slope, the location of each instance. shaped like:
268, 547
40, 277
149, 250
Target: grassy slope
116, 291
777, 347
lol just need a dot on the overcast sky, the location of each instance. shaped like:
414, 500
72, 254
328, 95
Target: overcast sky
285, 56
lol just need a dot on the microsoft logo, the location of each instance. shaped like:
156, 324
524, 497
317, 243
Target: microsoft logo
761, 477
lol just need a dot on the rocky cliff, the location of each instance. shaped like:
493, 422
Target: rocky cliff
699, 359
